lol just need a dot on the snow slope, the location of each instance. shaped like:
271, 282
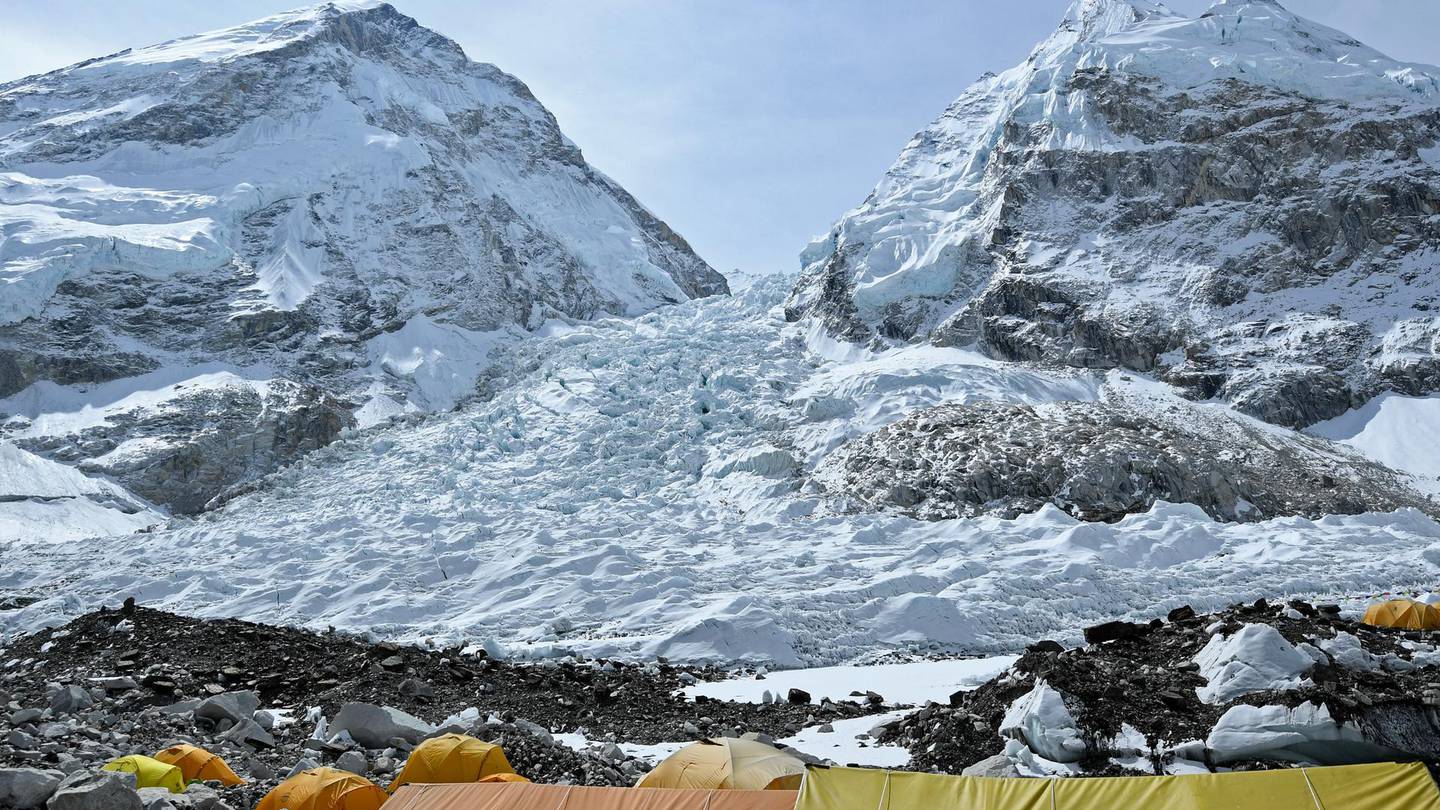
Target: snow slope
46, 503
641, 488
1398, 431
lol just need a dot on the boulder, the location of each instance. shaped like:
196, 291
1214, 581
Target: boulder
997, 766
27, 788
103, 790
352, 761
232, 706
248, 732
302, 764
374, 726
1114, 631
797, 696
70, 699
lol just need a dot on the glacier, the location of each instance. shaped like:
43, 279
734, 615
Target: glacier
640, 489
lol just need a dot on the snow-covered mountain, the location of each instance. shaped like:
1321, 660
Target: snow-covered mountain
1246, 204
218, 252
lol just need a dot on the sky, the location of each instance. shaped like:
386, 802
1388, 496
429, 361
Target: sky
748, 125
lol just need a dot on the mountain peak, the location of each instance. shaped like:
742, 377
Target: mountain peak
358, 26
1094, 19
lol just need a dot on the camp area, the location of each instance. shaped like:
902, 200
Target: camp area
1385, 786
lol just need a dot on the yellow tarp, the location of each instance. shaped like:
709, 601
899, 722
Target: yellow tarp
726, 764
1385, 786
1405, 614
149, 772
199, 764
452, 758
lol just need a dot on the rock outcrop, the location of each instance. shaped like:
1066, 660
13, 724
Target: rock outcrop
1243, 204
232, 246
1102, 461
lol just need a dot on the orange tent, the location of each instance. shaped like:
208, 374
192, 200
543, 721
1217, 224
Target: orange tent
504, 777
324, 789
523, 796
1405, 614
199, 764
452, 758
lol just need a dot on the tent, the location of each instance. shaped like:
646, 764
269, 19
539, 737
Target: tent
725, 763
1405, 614
199, 764
324, 789
1384, 786
149, 772
452, 758
504, 777
525, 796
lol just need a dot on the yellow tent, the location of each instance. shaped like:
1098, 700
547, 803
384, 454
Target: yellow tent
452, 758
149, 772
504, 777
726, 763
1405, 614
199, 764
1385, 786
324, 789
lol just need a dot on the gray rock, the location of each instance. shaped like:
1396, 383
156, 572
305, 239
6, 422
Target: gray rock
117, 683
416, 688
22, 717
374, 726
232, 706
996, 766
248, 732
70, 699
303, 764
27, 788
259, 769
102, 790
161, 799
352, 761
19, 739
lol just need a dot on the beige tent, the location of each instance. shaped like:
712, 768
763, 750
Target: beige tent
724, 763
523, 796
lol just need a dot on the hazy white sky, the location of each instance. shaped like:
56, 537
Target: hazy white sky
748, 125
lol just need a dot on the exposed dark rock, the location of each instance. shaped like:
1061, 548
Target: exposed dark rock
1101, 461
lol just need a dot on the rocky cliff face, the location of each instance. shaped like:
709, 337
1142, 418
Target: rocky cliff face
1244, 204
221, 251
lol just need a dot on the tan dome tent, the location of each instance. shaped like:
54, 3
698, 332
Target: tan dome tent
197, 764
324, 789
727, 764
1405, 614
452, 758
